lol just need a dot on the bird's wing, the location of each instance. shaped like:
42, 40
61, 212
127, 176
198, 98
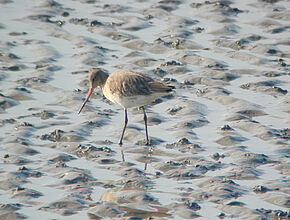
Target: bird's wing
129, 83
160, 87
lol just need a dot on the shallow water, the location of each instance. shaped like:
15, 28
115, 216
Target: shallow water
220, 144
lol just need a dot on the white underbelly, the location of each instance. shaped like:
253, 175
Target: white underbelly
135, 101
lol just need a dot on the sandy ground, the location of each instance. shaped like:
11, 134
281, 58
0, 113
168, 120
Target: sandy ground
220, 144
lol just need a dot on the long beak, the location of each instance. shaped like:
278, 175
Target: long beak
87, 98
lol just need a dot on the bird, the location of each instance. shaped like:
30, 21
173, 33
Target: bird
128, 89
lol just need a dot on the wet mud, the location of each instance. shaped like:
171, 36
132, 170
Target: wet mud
219, 145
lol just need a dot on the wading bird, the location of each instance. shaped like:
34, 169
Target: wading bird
128, 89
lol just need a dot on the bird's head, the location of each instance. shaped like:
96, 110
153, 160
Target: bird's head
97, 78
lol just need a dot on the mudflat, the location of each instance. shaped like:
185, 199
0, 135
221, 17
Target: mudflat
219, 144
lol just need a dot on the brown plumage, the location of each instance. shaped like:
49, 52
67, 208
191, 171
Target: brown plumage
128, 89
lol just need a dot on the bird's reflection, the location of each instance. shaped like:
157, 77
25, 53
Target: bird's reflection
122, 153
149, 151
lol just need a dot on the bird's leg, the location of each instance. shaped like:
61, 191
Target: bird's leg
125, 125
145, 122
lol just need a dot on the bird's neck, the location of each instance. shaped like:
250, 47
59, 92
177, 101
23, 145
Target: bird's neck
103, 79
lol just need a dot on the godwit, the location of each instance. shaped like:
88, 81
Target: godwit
128, 89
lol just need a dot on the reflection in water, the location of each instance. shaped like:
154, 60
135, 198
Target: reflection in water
122, 153
149, 151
